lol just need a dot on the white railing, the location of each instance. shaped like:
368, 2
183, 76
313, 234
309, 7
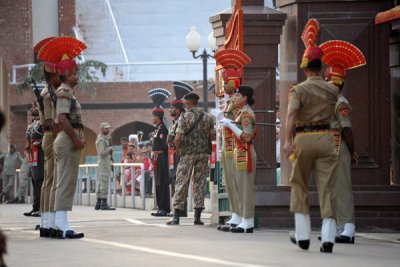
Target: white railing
111, 14
86, 177
129, 72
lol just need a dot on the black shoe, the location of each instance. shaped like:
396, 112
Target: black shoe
14, 201
344, 239
104, 205
183, 214
226, 227
241, 230
303, 244
37, 227
160, 213
326, 247
69, 234
175, 219
98, 203
36, 214
45, 232
30, 212
53, 233
197, 216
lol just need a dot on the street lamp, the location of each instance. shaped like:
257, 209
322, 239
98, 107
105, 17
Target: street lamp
193, 41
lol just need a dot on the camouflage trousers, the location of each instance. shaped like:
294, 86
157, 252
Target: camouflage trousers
196, 164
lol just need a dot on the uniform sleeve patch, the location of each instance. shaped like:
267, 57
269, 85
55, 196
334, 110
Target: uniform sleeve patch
344, 111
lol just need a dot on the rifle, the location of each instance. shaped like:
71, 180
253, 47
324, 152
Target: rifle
53, 95
38, 96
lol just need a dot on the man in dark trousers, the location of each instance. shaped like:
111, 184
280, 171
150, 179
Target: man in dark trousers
160, 153
34, 138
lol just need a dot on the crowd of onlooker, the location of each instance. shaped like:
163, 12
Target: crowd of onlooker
135, 151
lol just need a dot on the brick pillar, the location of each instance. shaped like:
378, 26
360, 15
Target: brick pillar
67, 17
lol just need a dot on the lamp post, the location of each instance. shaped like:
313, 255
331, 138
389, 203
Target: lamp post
193, 41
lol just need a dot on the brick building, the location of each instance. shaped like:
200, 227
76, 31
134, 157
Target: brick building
126, 105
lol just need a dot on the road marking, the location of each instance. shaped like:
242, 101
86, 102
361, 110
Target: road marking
172, 254
137, 222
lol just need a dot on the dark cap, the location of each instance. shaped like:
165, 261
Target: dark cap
191, 96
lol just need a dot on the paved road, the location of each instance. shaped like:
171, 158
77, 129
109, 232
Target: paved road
129, 237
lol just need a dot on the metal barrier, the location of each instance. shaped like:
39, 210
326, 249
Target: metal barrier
112, 190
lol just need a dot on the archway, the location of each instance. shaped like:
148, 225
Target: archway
131, 128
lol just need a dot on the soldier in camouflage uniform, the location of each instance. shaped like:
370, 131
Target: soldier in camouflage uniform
177, 109
192, 140
104, 151
70, 141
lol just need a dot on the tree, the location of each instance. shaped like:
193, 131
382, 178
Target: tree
87, 73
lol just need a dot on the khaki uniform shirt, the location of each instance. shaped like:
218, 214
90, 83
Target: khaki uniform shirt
48, 112
11, 162
315, 99
68, 104
197, 140
103, 147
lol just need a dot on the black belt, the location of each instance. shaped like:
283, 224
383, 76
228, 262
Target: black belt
312, 128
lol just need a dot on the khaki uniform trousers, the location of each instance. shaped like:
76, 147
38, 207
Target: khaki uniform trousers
314, 150
229, 169
8, 183
103, 178
67, 167
245, 187
197, 163
47, 146
344, 192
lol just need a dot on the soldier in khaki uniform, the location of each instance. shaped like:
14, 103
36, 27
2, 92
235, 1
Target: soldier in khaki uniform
193, 135
104, 151
244, 157
50, 130
232, 62
310, 145
70, 140
341, 56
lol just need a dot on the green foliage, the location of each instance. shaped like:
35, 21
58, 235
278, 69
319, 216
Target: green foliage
87, 75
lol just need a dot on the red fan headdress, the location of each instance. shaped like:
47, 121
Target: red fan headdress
340, 56
232, 61
62, 51
309, 37
47, 66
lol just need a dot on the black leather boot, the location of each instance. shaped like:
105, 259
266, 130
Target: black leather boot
98, 203
104, 205
326, 247
175, 219
197, 215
